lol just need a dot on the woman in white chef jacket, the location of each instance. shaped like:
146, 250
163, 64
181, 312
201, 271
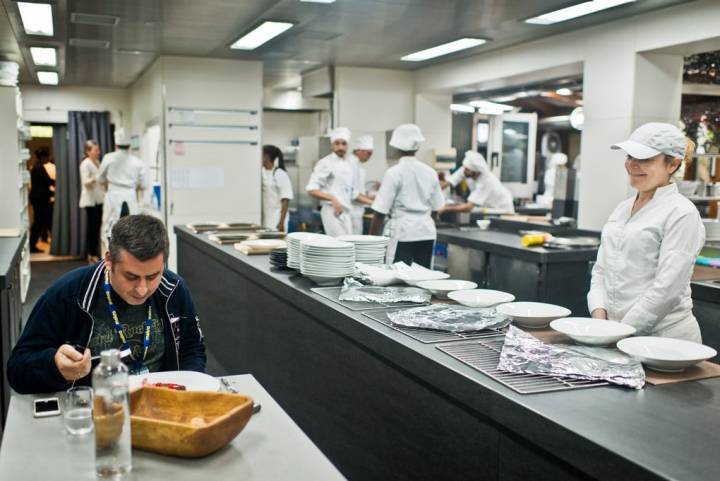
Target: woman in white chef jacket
486, 189
410, 192
276, 189
92, 195
650, 242
333, 182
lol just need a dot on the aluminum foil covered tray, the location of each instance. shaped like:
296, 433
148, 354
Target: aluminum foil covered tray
448, 317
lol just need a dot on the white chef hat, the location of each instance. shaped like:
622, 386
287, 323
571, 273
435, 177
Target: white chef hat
475, 161
364, 142
652, 139
340, 133
121, 138
407, 137
558, 158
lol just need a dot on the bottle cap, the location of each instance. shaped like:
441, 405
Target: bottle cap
111, 357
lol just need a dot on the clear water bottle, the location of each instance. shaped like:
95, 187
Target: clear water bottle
111, 415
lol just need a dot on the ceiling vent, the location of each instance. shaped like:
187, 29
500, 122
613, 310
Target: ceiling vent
93, 19
88, 43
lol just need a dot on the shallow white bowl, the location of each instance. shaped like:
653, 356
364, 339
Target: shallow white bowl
593, 332
532, 314
480, 297
483, 223
666, 354
440, 288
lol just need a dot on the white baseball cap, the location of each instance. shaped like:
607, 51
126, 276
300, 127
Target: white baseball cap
407, 137
364, 142
652, 139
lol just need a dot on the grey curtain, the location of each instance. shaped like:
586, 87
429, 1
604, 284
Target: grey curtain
69, 221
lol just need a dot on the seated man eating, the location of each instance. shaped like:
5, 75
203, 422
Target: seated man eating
129, 302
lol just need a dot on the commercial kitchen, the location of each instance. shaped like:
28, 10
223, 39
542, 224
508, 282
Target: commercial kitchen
364, 240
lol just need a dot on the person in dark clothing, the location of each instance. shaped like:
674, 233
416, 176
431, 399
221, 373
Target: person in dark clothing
40, 194
128, 301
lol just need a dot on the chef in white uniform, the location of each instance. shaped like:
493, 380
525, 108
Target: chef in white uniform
277, 189
650, 242
362, 152
333, 183
124, 176
486, 190
556, 161
410, 192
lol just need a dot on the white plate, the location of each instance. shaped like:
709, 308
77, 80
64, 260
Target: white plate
593, 332
364, 239
193, 381
532, 314
665, 354
440, 288
412, 278
480, 297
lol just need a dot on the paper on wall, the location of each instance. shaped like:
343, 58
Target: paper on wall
197, 178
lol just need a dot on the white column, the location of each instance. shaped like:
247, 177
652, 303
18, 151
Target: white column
433, 116
622, 90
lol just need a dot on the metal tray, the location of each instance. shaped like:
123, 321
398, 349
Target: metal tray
333, 294
483, 355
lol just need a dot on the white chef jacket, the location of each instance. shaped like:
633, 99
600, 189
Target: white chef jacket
643, 269
485, 191
122, 170
358, 208
91, 193
276, 186
334, 175
409, 192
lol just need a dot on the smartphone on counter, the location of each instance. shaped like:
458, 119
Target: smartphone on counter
43, 408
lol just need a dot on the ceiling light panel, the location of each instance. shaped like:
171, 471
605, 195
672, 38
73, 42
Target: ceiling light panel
564, 91
576, 11
317, 1
44, 56
94, 19
260, 35
47, 78
444, 49
462, 108
36, 18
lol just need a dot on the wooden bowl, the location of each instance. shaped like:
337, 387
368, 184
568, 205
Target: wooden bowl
188, 424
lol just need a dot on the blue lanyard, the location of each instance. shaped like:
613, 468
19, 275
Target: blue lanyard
125, 350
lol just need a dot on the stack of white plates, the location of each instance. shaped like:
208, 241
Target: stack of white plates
293, 247
369, 249
326, 260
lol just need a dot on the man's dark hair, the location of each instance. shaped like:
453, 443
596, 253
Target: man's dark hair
143, 236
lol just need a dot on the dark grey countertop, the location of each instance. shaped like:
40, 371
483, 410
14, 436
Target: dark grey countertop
508, 244
10, 248
669, 432
706, 290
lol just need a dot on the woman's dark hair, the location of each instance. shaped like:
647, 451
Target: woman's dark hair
42, 153
274, 153
143, 236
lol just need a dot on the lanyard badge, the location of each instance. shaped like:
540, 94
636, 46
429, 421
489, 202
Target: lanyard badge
125, 351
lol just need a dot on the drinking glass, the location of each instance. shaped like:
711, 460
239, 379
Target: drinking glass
77, 410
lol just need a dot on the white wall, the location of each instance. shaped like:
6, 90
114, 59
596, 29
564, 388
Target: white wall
432, 115
146, 100
626, 83
51, 104
279, 128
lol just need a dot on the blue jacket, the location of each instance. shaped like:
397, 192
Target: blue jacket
62, 315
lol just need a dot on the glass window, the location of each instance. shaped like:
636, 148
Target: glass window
514, 152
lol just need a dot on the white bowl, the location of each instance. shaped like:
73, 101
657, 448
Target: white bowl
325, 281
440, 288
480, 297
483, 223
593, 332
532, 314
666, 354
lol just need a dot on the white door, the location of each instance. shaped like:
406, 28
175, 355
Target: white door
512, 152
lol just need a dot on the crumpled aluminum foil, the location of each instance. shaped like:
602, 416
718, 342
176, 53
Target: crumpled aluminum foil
524, 353
353, 290
448, 317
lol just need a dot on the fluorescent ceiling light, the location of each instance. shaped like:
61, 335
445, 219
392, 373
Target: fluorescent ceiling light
575, 11
265, 32
45, 56
564, 91
48, 78
36, 18
318, 1
443, 49
462, 108
491, 108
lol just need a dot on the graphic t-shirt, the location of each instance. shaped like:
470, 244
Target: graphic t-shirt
133, 320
